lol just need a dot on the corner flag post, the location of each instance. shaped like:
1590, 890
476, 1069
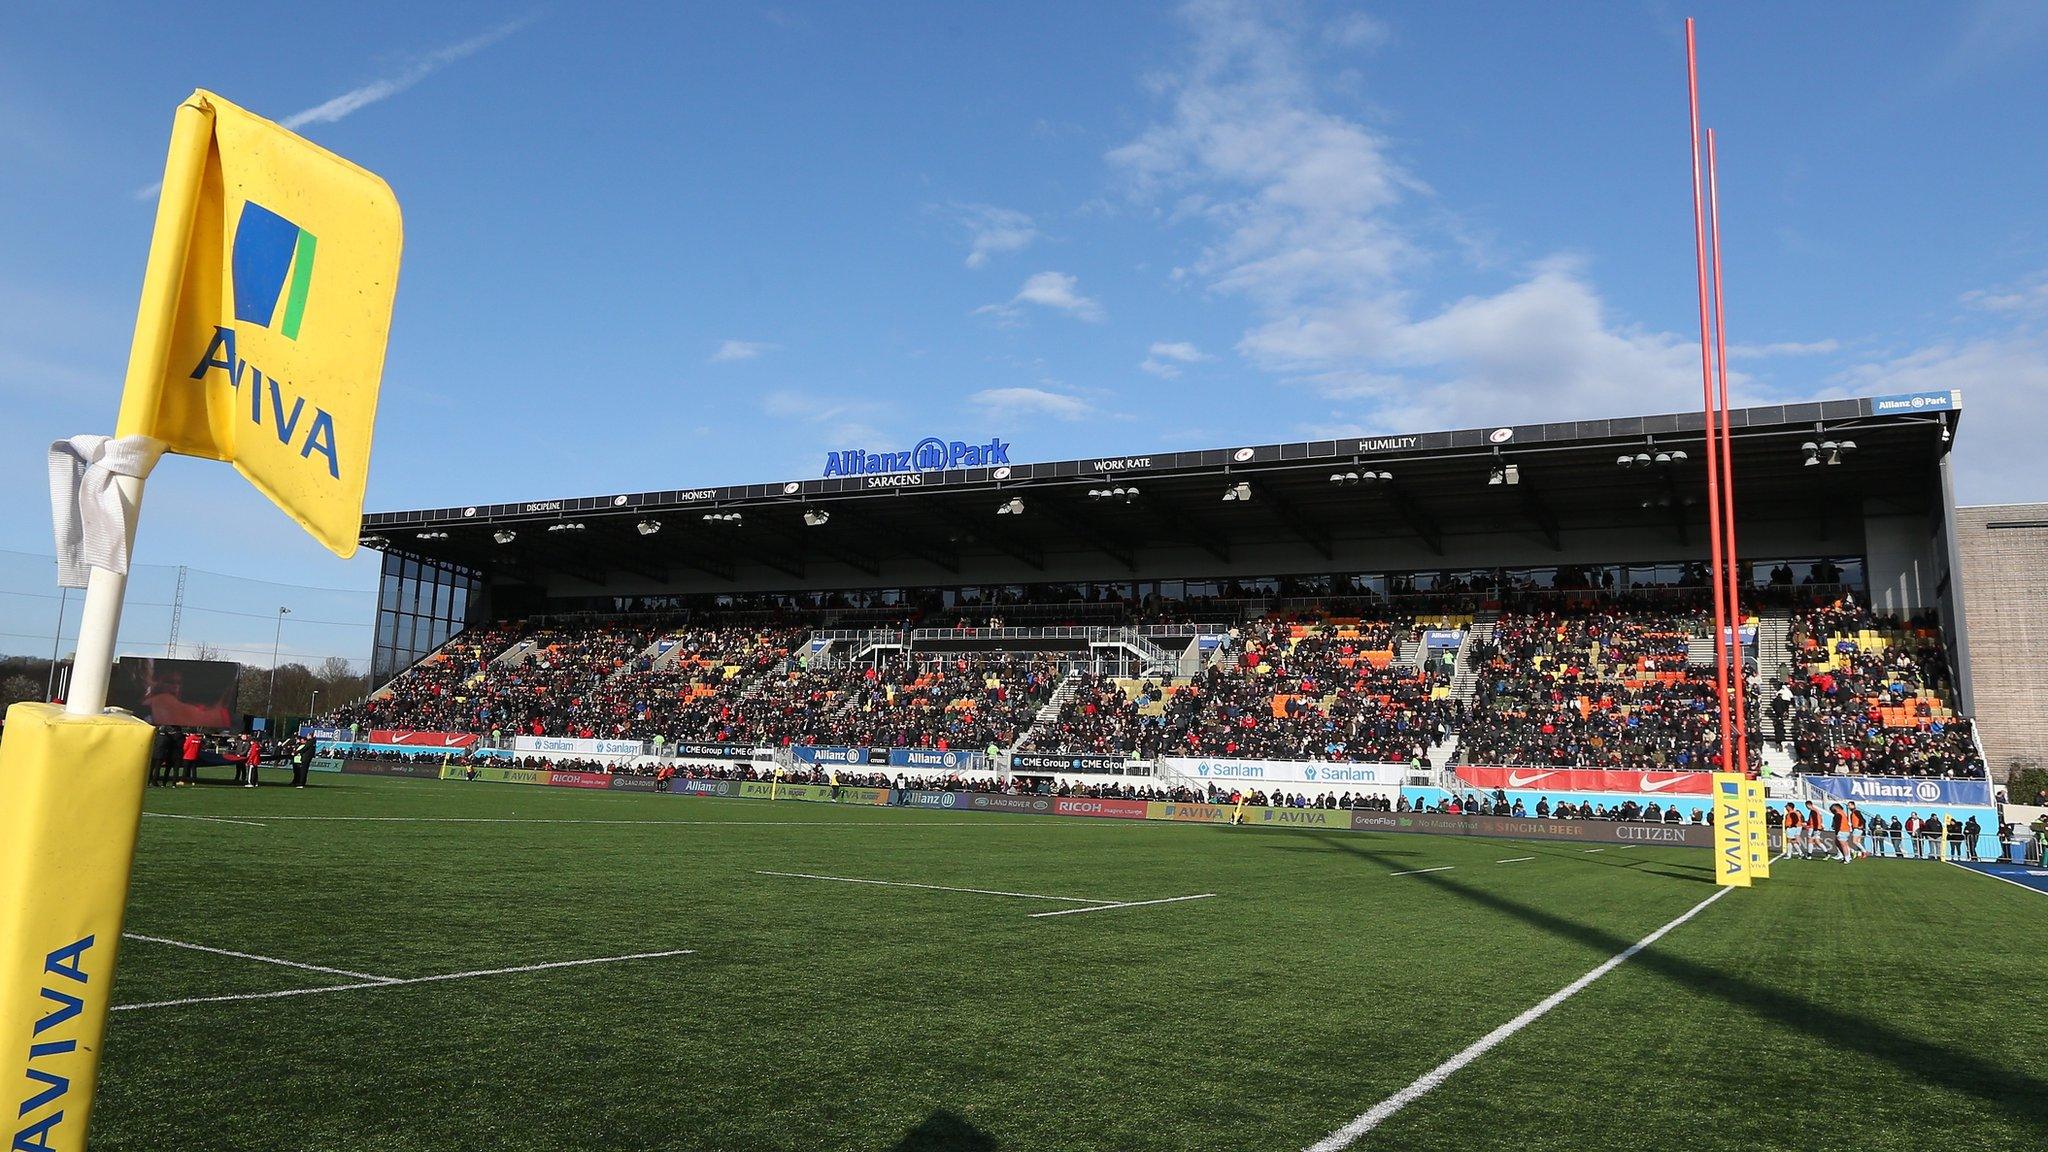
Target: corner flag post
71, 778
148, 359
213, 295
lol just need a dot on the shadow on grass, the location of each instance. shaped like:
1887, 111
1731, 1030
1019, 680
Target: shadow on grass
944, 1131
1951, 1069
1642, 865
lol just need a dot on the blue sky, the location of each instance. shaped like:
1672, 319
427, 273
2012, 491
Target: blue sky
663, 246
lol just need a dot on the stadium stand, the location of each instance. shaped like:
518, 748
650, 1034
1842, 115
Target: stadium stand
1593, 686
1871, 696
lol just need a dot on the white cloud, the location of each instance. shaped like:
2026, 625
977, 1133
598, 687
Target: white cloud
1311, 219
2004, 379
1054, 290
2028, 296
358, 98
1783, 348
1032, 402
731, 350
993, 231
1166, 358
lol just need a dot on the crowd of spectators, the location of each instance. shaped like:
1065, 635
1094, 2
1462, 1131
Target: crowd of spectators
1602, 681
1593, 686
1284, 690
1869, 695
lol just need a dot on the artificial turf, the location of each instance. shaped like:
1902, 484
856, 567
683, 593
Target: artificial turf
1877, 1006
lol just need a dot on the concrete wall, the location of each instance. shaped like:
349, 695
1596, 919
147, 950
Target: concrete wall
2004, 555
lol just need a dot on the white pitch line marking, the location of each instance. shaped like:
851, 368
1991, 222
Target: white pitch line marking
253, 956
1594, 849
1514, 860
1125, 904
394, 983
1420, 871
935, 887
209, 819
1347, 1135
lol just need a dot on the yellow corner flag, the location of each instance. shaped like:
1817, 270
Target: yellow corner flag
283, 307
260, 339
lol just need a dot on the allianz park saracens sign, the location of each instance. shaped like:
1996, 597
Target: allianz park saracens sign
930, 454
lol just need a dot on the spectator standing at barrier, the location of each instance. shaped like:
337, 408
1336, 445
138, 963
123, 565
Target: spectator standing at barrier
1971, 831
1954, 828
1898, 835
162, 749
2004, 842
252, 759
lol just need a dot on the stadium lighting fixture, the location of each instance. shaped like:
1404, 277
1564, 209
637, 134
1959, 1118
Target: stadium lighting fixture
431, 535
1812, 451
1014, 506
1624, 460
1360, 477
717, 517
1240, 491
504, 535
816, 517
1117, 493
648, 527
378, 542
1505, 474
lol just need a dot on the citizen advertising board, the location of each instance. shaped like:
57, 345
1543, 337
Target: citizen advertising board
1089, 806
1586, 780
1940, 793
571, 746
1511, 828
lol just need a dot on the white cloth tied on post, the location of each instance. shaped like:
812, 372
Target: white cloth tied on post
86, 509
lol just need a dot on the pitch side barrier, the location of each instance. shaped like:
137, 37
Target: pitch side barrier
1598, 832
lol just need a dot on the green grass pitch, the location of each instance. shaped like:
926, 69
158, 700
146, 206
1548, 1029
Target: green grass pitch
1874, 1006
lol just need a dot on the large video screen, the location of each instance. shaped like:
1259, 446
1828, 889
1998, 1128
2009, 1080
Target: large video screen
177, 693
